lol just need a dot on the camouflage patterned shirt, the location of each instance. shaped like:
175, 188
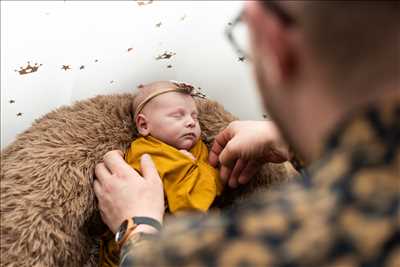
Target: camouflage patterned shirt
346, 214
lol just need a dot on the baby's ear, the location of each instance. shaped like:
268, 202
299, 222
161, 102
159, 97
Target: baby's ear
141, 125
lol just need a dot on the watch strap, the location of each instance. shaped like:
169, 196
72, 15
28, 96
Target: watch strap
147, 220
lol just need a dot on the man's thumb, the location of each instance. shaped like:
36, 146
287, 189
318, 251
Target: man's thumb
148, 168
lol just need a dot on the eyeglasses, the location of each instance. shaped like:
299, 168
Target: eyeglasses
273, 6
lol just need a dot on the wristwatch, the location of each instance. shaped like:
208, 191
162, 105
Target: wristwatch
130, 224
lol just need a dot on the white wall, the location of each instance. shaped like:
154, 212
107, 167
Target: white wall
76, 33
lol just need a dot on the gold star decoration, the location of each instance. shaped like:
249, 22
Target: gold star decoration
66, 67
166, 55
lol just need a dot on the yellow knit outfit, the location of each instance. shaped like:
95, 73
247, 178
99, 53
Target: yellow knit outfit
188, 184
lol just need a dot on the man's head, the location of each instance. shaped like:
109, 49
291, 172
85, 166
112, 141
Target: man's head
329, 57
170, 115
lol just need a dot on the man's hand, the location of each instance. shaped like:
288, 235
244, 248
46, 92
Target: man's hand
243, 147
123, 193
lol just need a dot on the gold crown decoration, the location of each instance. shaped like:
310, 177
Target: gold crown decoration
189, 89
165, 55
143, 3
28, 68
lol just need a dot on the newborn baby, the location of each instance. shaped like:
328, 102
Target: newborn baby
166, 119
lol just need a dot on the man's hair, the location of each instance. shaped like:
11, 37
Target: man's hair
357, 41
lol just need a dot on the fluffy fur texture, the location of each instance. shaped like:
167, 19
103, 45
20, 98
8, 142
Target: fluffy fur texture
49, 215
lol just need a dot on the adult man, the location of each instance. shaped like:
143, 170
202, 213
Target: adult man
328, 74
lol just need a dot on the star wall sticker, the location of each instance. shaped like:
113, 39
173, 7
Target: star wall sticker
66, 67
28, 68
165, 55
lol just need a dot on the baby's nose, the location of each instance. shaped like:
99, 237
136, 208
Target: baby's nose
190, 122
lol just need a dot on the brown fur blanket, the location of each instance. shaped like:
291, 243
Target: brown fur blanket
48, 209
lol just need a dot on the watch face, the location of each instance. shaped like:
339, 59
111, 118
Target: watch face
121, 231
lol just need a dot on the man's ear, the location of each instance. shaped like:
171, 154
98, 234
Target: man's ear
142, 125
271, 42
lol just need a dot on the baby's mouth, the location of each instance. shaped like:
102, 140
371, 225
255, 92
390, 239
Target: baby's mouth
190, 135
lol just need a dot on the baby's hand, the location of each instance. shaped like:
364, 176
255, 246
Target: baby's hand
187, 153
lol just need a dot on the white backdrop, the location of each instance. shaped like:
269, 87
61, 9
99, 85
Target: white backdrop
111, 47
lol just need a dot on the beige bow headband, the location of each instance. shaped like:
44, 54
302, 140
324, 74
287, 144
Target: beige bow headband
180, 87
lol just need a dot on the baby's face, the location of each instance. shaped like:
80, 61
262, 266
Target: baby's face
172, 118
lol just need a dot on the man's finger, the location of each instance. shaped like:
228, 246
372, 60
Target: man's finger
230, 154
101, 172
219, 143
214, 154
148, 168
115, 162
97, 189
225, 172
237, 170
249, 171
233, 183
